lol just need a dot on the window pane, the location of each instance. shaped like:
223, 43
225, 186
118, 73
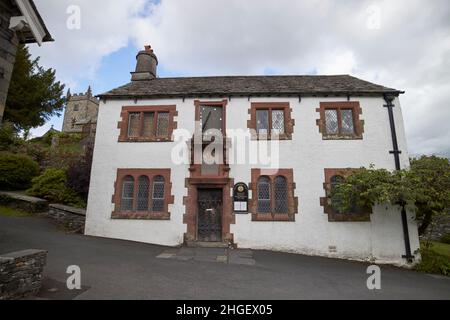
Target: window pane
211, 118
149, 130
142, 197
347, 121
133, 124
126, 203
262, 121
158, 194
331, 121
281, 192
264, 195
278, 121
163, 124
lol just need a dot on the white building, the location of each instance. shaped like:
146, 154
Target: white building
322, 127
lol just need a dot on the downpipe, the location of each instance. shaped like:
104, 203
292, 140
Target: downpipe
396, 152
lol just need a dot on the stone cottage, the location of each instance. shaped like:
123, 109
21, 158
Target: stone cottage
20, 22
247, 161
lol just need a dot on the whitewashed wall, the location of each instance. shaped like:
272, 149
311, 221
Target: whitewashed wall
307, 154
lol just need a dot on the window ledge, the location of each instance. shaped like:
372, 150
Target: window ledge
342, 137
264, 138
140, 216
145, 140
268, 217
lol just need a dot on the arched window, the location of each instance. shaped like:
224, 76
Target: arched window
143, 193
126, 203
281, 195
158, 194
264, 195
334, 182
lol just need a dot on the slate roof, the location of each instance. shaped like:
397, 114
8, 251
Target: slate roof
248, 86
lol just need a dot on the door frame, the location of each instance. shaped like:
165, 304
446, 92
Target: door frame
190, 201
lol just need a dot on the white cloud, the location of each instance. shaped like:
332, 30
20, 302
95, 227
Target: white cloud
77, 53
410, 50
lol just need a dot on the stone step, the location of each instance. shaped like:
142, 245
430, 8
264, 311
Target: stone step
201, 244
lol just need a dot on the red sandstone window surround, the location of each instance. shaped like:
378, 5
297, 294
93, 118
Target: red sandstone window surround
273, 196
340, 120
142, 194
147, 123
332, 178
271, 118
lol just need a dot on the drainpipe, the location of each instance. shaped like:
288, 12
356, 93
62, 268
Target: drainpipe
396, 152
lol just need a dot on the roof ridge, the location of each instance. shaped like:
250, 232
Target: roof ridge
260, 76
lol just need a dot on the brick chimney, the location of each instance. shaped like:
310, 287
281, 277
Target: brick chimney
146, 63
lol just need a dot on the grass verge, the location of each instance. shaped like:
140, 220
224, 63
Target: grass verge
9, 212
435, 259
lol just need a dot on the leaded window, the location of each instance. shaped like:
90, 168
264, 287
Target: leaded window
264, 195
149, 125
270, 121
126, 203
281, 195
331, 121
143, 193
347, 121
162, 129
339, 121
158, 194
148, 129
278, 121
134, 124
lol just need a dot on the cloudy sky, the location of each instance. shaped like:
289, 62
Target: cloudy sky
404, 44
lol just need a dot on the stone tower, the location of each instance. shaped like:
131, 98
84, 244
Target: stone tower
81, 113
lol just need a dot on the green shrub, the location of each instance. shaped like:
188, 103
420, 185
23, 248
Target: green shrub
51, 186
16, 171
36, 151
446, 239
434, 263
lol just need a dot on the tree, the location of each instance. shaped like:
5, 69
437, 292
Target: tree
34, 96
9, 139
368, 187
425, 186
430, 178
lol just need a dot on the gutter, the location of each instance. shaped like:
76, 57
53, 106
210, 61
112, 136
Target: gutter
396, 152
106, 96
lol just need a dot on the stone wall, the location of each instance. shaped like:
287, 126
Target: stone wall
21, 273
23, 202
8, 49
72, 219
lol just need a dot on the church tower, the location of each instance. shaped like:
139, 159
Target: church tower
81, 112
